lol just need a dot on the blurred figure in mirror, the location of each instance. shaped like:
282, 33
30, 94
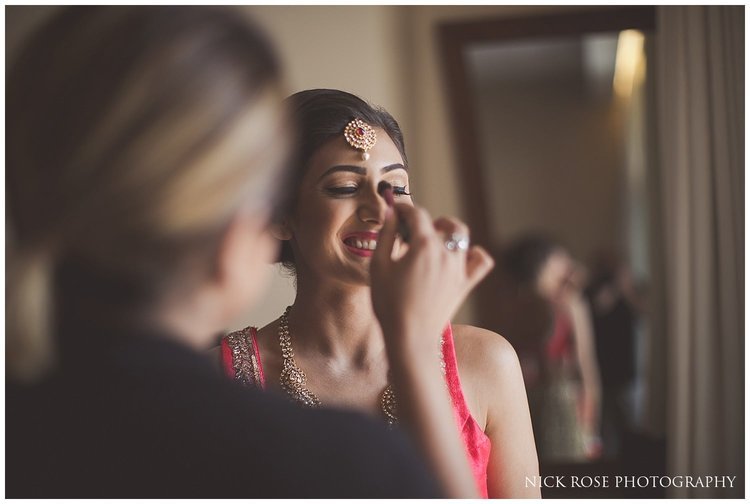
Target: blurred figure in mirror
554, 337
370, 325
616, 306
145, 148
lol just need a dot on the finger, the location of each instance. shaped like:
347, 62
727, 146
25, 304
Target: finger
452, 231
478, 264
451, 225
386, 239
417, 220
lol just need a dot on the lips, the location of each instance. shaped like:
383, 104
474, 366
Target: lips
361, 243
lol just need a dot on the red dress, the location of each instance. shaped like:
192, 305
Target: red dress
241, 361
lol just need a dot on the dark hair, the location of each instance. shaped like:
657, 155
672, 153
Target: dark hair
320, 115
128, 153
523, 258
524, 316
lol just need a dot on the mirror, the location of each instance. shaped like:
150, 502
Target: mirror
552, 118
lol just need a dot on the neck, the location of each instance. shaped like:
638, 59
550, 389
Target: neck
337, 322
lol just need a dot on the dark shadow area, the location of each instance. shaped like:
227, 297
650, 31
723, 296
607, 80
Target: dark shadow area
641, 455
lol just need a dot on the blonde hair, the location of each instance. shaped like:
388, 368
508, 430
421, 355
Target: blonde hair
134, 135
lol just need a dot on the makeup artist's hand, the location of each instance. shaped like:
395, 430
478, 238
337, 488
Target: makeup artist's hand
418, 292
414, 295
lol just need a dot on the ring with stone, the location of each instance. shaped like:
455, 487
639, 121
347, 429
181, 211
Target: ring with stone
457, 242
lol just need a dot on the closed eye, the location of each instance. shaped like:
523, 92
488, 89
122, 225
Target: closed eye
341, 190
400, 191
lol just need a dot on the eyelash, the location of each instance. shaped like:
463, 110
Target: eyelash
350, 190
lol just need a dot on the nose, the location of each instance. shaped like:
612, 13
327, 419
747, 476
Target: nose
372, 207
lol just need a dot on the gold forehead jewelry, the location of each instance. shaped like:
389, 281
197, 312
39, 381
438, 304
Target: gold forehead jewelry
360, 135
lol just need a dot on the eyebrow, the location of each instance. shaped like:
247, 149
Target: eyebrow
360, 170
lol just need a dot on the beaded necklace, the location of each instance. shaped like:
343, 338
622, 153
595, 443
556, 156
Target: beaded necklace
294, 381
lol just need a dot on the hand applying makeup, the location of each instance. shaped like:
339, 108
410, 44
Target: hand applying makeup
423, 288
414, 296
385, 190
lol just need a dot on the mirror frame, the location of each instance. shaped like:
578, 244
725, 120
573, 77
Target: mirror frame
454, 39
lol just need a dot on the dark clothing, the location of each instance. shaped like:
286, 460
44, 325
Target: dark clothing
614, 332
614, 325
147, 417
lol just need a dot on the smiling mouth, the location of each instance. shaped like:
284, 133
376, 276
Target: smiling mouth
359, 244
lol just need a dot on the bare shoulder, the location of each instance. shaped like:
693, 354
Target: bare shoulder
488, 367
481, 348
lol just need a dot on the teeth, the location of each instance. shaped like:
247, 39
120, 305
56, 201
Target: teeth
363, 244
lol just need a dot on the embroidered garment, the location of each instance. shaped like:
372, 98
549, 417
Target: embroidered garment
241, 361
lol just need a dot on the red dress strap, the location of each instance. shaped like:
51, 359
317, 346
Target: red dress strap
241, 358
478, 445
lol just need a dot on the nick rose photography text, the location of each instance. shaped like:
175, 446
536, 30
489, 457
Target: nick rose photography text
606, 481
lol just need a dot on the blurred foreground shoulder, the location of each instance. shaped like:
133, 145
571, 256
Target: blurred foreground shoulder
337, 454
314, 453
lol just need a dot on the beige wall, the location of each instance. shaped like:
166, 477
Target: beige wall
354, 48
553, 162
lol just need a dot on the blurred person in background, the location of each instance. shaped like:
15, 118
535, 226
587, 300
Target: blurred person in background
144, 155
616, 306
556, 348
364, 324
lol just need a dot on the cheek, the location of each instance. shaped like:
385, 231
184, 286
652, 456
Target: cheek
321, 220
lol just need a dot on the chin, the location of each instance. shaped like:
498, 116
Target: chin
358, 274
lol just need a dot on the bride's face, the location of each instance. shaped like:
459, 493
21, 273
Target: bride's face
339, 212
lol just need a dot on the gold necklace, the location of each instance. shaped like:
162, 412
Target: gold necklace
293, 380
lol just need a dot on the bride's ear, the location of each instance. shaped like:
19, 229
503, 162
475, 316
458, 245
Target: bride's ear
281, 231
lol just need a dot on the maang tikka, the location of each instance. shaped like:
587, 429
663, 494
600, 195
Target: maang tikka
361, 136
